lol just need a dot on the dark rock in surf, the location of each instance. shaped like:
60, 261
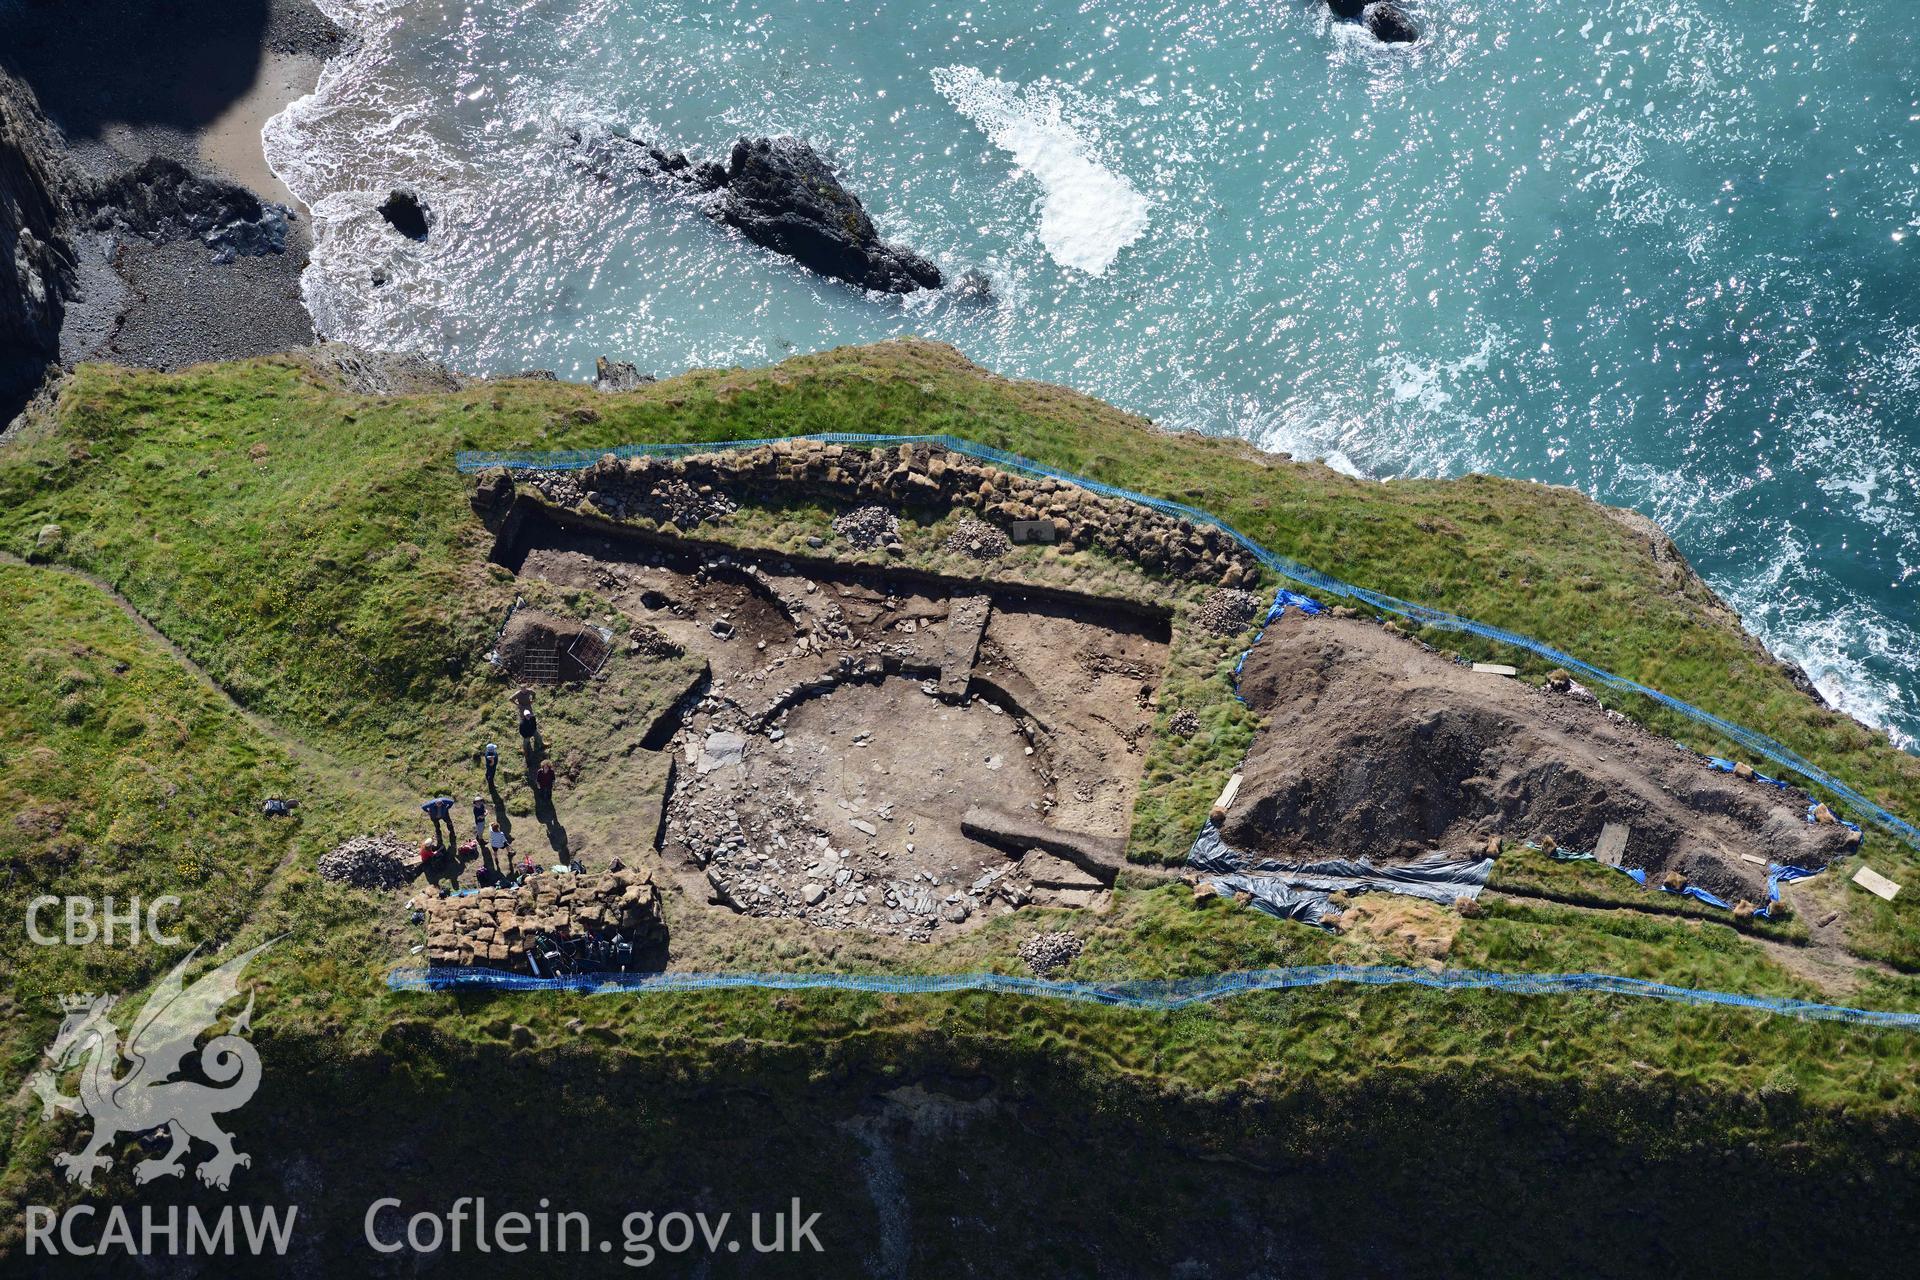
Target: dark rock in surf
406, 213
1346, 8
1390, 23
975, 286
617, 375
779, 193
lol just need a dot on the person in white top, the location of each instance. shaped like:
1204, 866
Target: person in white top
497, 840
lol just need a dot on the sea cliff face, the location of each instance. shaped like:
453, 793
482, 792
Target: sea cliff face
36, 262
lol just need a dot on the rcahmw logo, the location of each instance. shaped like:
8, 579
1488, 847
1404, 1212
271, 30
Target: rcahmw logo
132, 1088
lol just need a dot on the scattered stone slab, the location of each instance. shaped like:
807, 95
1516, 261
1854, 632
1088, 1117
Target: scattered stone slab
966, 621
1613, 844
1875, 883
720, 751
1027, 532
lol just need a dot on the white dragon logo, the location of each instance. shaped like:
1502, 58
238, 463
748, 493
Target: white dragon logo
147, 1097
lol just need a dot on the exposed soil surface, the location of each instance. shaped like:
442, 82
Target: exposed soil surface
850, 718
1377, 747
538, 648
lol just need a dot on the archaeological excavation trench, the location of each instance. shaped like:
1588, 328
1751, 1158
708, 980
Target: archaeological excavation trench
875, 748
886, 748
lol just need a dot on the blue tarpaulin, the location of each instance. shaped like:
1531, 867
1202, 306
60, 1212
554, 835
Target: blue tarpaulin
1170, 993
1777, 875
1299, 890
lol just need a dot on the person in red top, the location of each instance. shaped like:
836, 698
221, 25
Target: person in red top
543, 779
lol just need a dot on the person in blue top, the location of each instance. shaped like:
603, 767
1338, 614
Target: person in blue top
439, 810
492, 756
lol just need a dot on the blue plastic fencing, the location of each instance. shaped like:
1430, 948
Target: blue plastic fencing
1758, 743
1146, 994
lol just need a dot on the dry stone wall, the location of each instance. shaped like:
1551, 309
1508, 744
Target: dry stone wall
910, 474
496, 926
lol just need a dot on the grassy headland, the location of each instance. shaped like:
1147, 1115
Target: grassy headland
312, 551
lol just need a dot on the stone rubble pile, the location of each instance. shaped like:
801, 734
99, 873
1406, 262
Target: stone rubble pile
1184, 723
919, 474
1045, 952
562, 487
1227, 612
868, 528
978, 540
647, 641
371, 862
669, 500
783, 859
496, 926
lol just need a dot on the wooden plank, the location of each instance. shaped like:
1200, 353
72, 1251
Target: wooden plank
1495, 669
1613, 843
1228, 795
1748, 857
1873, 882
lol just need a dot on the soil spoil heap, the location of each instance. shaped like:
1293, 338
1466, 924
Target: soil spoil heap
1379, 748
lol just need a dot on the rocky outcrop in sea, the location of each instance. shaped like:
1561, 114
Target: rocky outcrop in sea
1389, 23
782, 195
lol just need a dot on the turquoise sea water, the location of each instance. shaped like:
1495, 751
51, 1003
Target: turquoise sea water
1663, 250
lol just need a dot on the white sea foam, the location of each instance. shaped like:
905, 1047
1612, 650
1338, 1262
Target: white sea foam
1088, 213
1344, 465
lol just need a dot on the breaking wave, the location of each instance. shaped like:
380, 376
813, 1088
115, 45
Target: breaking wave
1088, 213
